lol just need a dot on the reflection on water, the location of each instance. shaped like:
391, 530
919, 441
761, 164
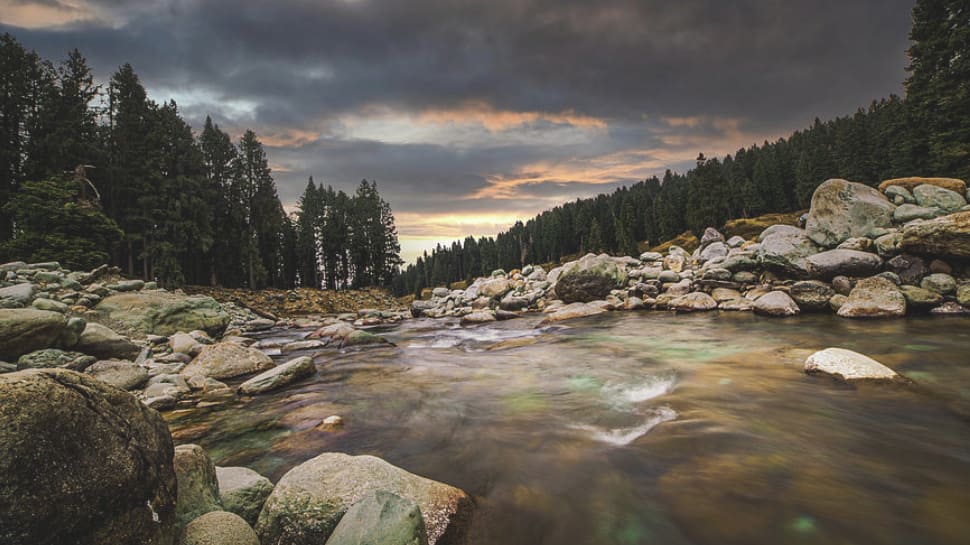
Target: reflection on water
643, 428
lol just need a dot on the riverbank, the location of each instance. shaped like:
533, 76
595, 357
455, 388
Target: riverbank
301, 302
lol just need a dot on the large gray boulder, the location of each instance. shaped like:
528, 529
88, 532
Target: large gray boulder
162, 313
931, 196
198, 488
947, 236
82, 462
282, 375
227, 360
841, 210
875, 297
381, 517
102, 342
310, 499
832, 263
17, 295
786, 249
590, 278
243, 491
25, 330
847, 365
218, 528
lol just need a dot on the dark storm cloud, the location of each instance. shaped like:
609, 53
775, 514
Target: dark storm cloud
673, 77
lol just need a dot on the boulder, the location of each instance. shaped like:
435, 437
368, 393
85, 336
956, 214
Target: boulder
17, 295
776, 303
940, 283
874, 297
50, 358
494, 287
310, 499
785, 248
121, 374
944, 236
912, 183
841, 209
218, 528
931, 196
282, 375
478, 317
811, 294
162, 313
590, 278
710, 236
102, 342
243, 491
693, 302
82, 462
910, 268
909, 212
25, 330
963, 294
198, 488
49, 304
227, 360
575, 310
920, 298
713, 251
834, 263
898, 194
381, 517
847, 365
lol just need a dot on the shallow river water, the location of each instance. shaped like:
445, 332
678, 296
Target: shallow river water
642, 427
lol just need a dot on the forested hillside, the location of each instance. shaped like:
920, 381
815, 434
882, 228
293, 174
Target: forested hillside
927, 133
94, 173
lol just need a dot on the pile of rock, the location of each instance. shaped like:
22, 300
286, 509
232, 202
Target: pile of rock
863, 253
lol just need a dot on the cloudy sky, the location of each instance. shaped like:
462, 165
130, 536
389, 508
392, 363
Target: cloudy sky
471, 114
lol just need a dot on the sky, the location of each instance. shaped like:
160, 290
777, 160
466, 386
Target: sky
472, 114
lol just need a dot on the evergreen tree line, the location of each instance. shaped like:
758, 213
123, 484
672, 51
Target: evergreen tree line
157, 200
927, 133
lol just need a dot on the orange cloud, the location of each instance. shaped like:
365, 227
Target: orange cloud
482, 113
289, 137
44, 14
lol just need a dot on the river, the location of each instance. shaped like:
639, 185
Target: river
645, 427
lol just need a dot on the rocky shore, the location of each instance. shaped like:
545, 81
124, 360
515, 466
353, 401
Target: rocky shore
862, 253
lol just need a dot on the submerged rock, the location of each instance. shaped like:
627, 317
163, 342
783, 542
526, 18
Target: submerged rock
243, 491
310, 499
381, 517
82, 462
282, 375
847, 365
841, 209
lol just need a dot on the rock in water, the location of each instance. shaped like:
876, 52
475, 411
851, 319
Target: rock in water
163, 313
693, 302
874, 297
279, 376
82, 462
228, 360
842, 209
243, 491
812, 294
381, 517
574, 310
219, 528
847, 365
943, 236
590, 278
25, 330
198, 488
102, 342
309, 500
776, 303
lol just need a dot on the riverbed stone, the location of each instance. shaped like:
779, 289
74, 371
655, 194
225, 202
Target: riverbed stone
847, 365
282, 375
899, 194
910, 268
947, 236
243, 491
121, 374
785, 248
590, 278
381, 517
940, 283
218, 528
575, 310
310, 499
25, 330
17, 295
811, 294
874, 297
776, 303
82, 462
963, 294
494, 287
697, 301
833, 263
931, 196
920, 298
478, 317
50, 358
911, 183
162, 313
103, 342
909, 212
228, 360
198, 487
841, 209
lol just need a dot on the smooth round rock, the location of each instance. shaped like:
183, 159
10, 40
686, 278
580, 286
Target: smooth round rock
219, 528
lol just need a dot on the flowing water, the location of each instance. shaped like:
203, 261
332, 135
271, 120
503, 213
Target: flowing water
642, 427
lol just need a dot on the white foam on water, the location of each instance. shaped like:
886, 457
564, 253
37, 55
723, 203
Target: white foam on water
448, 338
624, 436
626, 394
